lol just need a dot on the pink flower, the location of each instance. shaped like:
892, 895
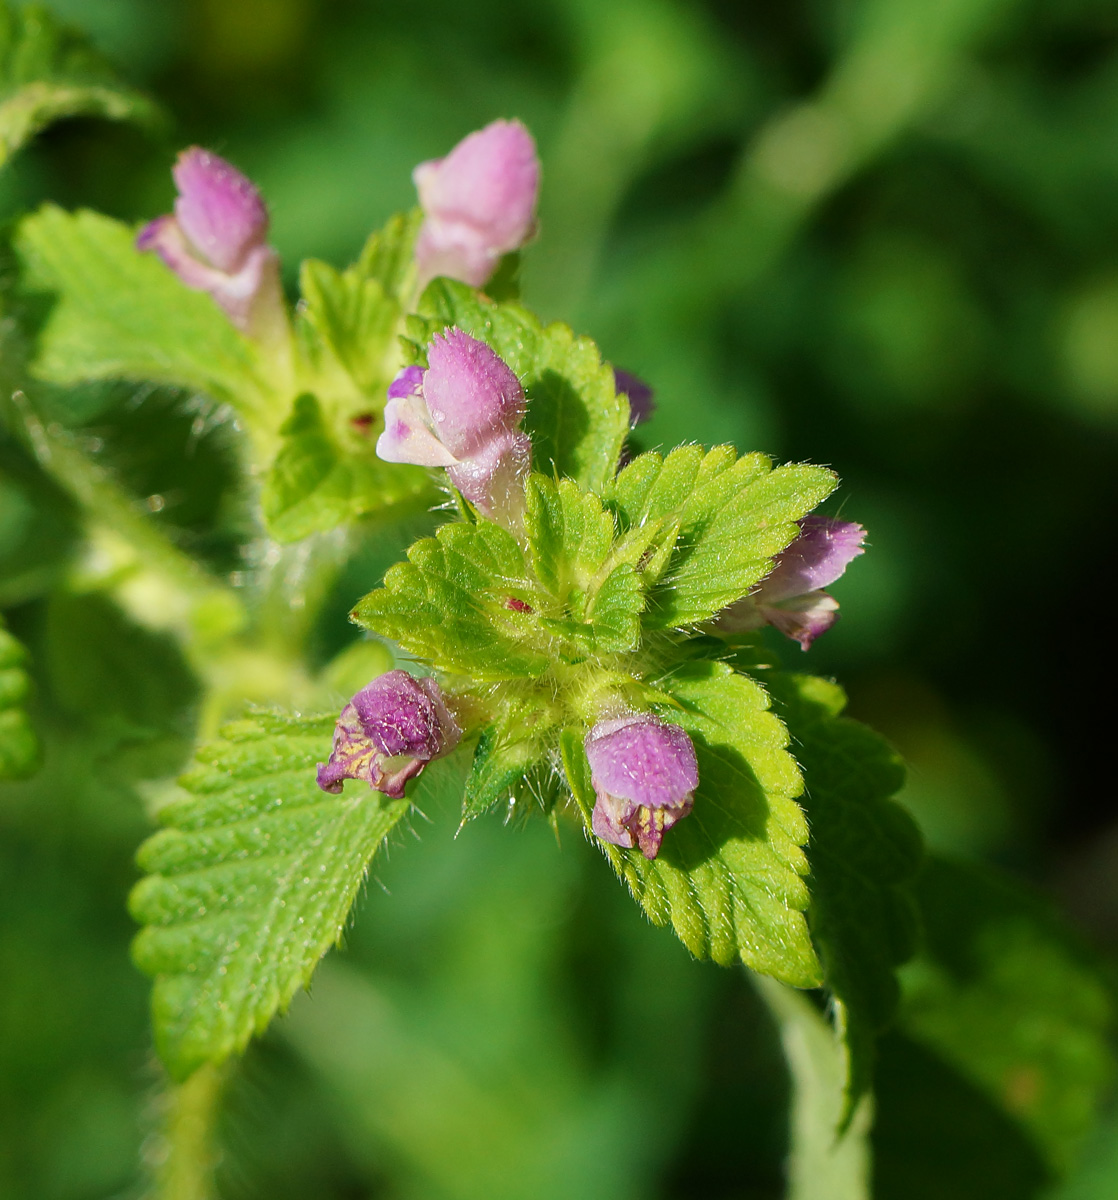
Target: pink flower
388, 733
216, 240
462, 413
479, 203
644, 773
790, 597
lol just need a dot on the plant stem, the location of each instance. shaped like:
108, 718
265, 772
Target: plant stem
187, 1148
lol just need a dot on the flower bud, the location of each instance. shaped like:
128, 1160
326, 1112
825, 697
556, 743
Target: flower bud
479, 203
388, 733
644, 773
790, 597
462, 413
216, 240
639, 394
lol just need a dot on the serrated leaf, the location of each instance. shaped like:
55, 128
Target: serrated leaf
314, 484
728, 517
499, 766
577, 421
389, 256
121, 314
1003, 992
448, 604
250, 885
729, 877
864, 854
20, 752
356, 325
48, 73
595, 593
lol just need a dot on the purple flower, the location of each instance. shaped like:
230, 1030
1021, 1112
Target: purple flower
479, 203
790, 597
462, 413
645, 774
639, 394
216, 240
388, 733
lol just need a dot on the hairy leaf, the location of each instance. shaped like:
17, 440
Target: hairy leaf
449, 604
355, 322
19, 745
1004, 994
593, 592
315, 484
249, 885
388, 257
723, 520
121, 314
48, 73
729, 876
575, 417
864, 854
501, 766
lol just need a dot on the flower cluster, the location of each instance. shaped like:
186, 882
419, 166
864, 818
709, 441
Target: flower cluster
463, 412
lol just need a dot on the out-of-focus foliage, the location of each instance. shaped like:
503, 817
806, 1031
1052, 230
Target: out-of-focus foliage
879, 235
47, 74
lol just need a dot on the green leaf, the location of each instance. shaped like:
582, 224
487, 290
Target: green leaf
314, 484
864, 854
356, 326
20, 752
448, 604
729, 877
388, 257
728, 515
48, 73
592, 591
250, 885
121, 314
1004, 994
577, 421
499, 767
821, 1166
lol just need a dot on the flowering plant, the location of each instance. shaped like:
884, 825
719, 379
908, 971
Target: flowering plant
573, 630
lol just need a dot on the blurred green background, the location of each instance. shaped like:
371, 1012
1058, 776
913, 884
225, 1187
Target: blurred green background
881, 234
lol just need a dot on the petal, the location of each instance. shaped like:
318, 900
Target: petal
643, 760
353, 755
454, 250
820, 554
218, 208
165, 237
471, 392
238, 293
803, 618
489, 180
408, 437
406, 716
608, 821
408, 382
